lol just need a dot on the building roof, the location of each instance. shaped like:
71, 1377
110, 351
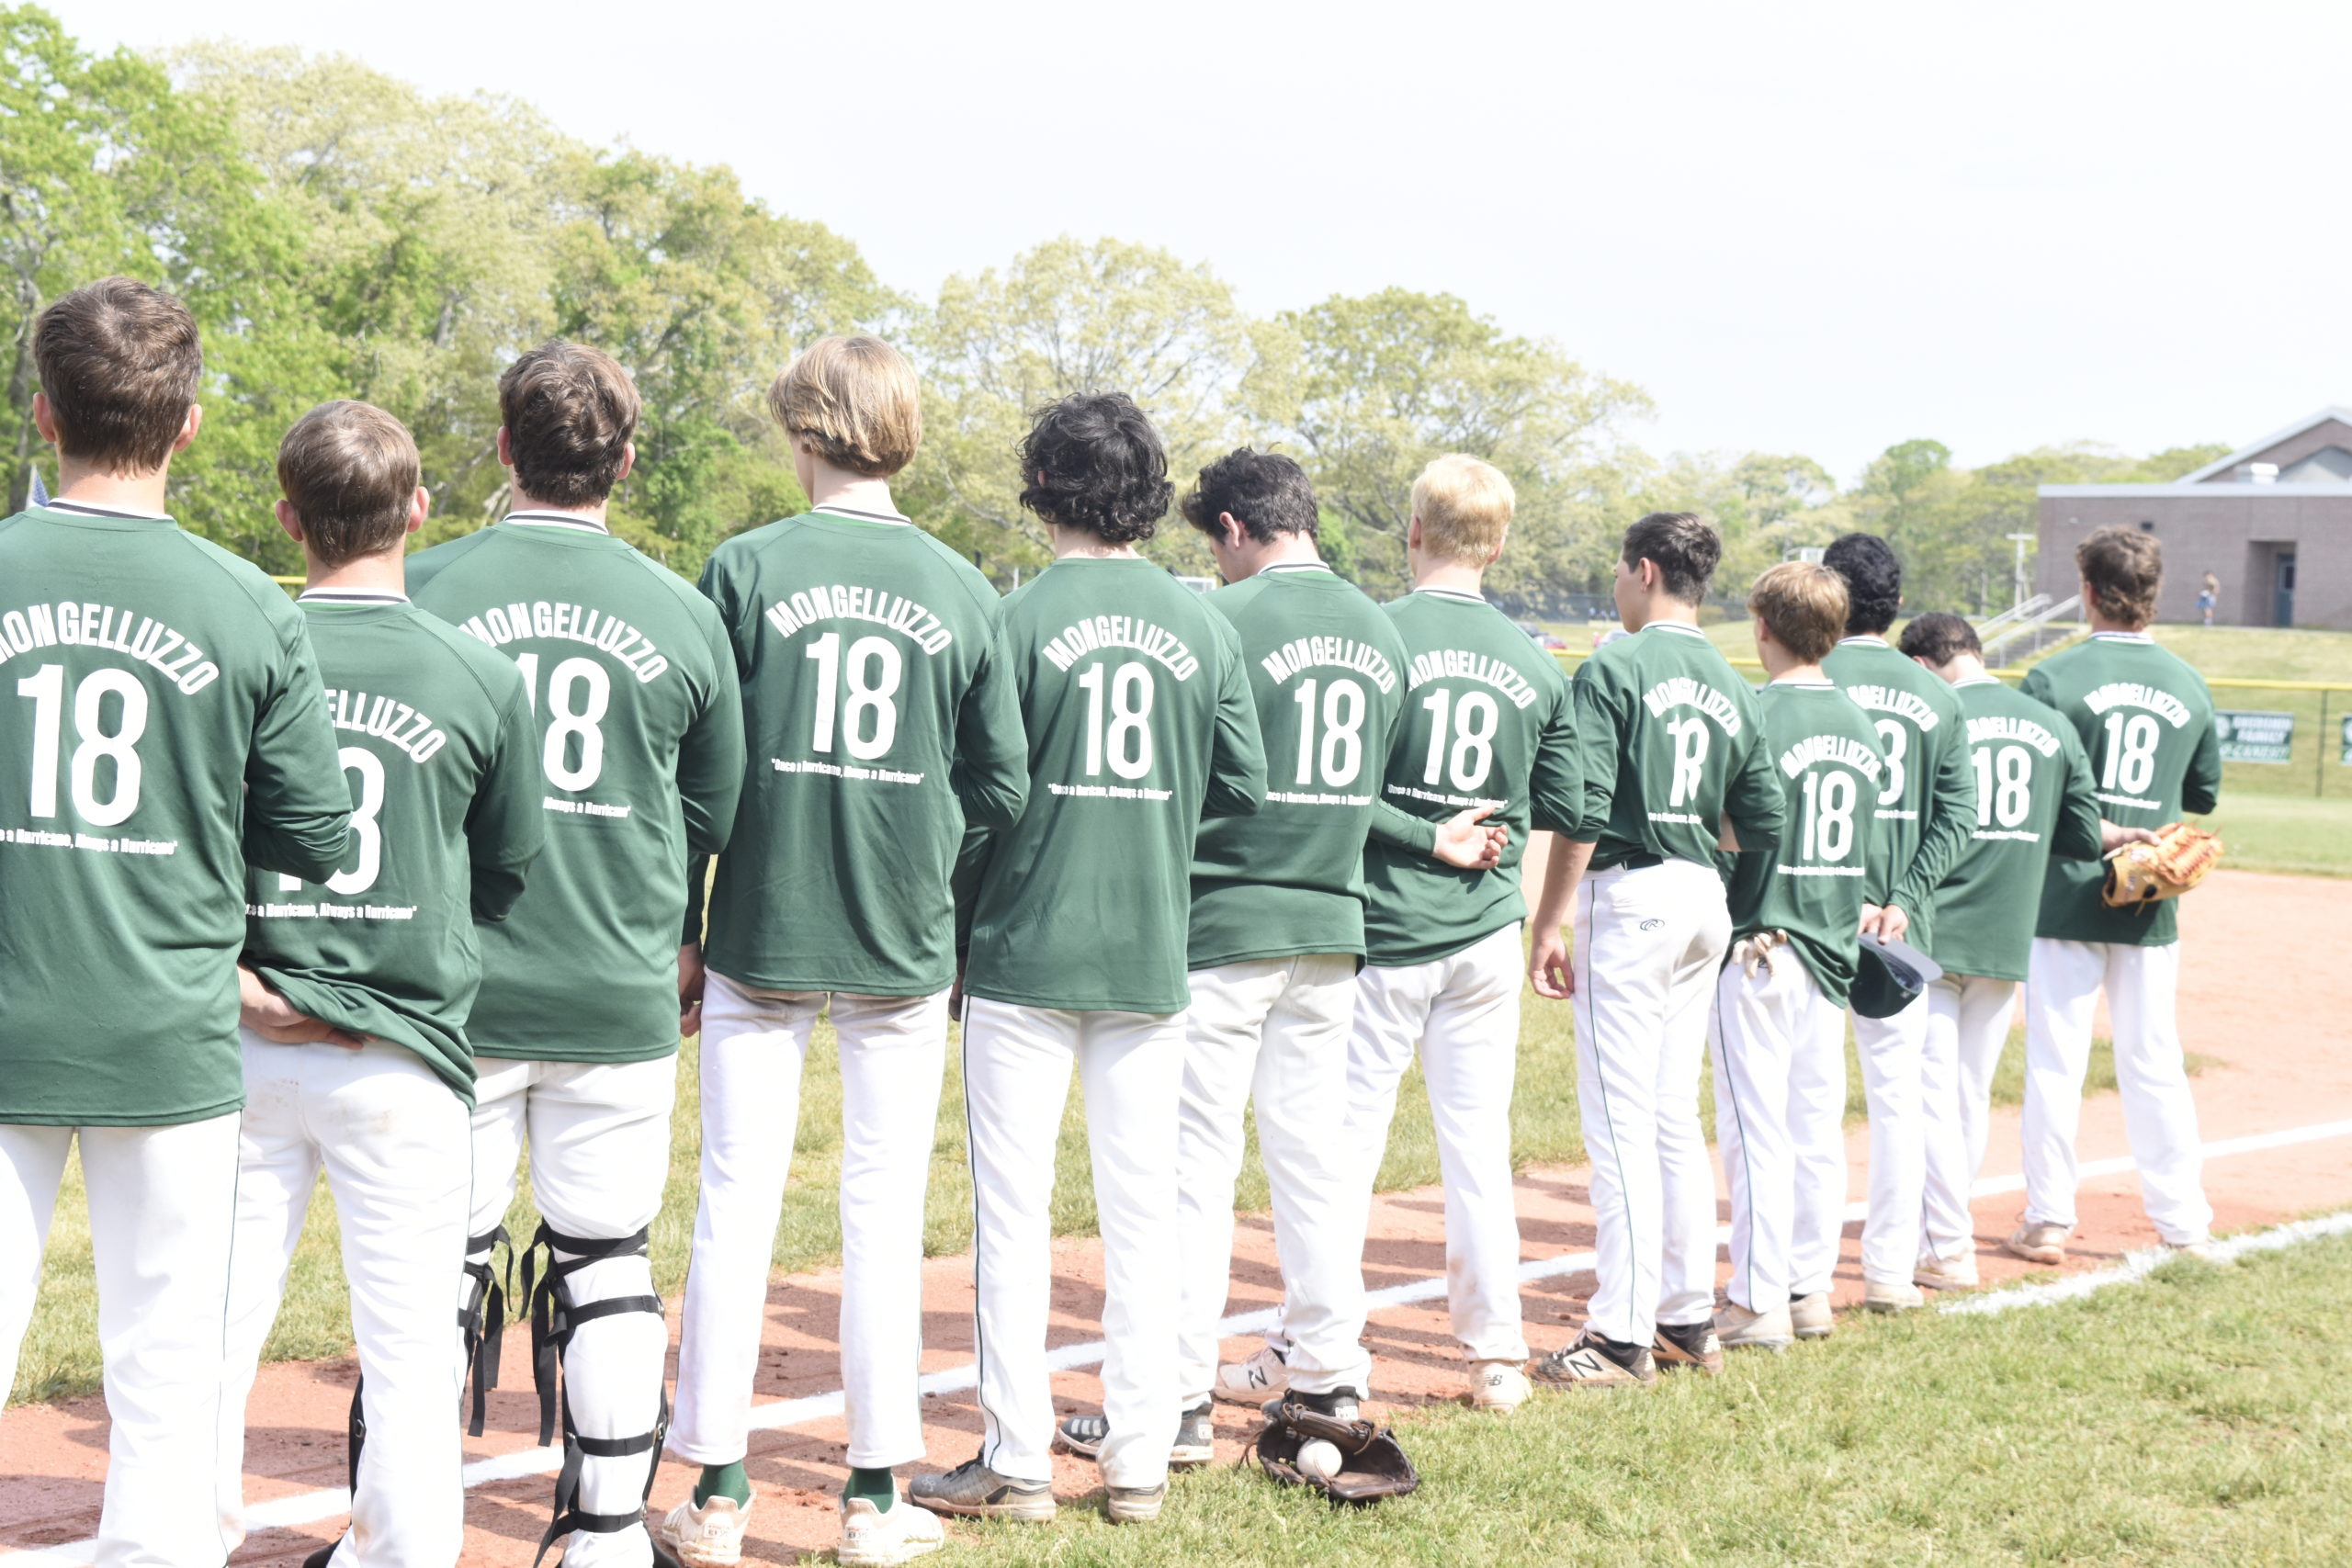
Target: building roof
2186, 489
2221, 465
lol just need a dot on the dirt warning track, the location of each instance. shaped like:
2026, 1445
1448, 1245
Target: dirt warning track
2276, 1114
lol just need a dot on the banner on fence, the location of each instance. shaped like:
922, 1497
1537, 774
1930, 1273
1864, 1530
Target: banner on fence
2255, 737
2346, 757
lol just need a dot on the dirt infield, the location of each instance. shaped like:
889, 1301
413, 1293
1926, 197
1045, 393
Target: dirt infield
2253, 996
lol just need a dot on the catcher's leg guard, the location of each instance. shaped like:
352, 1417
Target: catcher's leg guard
561, 1310
483, 1320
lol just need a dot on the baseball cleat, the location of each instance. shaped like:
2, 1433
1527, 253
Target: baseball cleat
711, 1536
2200, 1250
325, 1554
1195, 1436
1946, 1273
1891, 1295
1261, 1378
2038, 1244
1340, 1403
975, 1491
1134, 1504
1083, 1435
1497, 1385
1736, 1328
873, 1538
1688, 1345
1594, 1360
1809, 1315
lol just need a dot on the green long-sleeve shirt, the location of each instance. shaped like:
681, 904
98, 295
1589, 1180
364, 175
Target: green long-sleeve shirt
160, 725
1927, 801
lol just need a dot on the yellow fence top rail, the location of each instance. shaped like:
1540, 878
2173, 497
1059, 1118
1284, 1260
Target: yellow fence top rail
2230, 682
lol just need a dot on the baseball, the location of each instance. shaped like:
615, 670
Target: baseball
1318, 1458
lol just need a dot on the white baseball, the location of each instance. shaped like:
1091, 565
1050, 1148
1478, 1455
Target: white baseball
1319, 1459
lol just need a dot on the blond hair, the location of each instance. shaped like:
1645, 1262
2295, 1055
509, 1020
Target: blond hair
1804, 603
855, 398
1465, 505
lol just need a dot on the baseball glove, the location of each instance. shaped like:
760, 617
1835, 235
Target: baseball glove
1371, 1464
2141, 874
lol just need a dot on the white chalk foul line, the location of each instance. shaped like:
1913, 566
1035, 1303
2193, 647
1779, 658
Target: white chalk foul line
310, 1508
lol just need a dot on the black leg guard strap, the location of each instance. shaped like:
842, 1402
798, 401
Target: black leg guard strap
554, 1317
577, 1451
483, 1321
356, 1438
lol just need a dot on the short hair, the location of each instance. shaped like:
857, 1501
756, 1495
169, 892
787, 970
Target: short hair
1804, 603
349, 470
1939, 637
120, 363
2123, 568
569, 410
1092, 461
1683, 548
1267, 493
1465, 506
1873, 580
854, 397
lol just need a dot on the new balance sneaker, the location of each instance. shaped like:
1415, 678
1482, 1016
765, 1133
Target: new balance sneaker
1811, 1317
1736, 1328
708, 1536
1946, 1273
1134, 1504
1340, 1403
879, 1538
2038, 1244
975, 1491
1195, 1436
1891, 1295
1083, 1435
1262, 1377
1691, 1345
1592, 1360
1497, 1385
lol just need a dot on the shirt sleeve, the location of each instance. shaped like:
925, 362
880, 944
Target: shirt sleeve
1597, 737
1555, 792
990, 775
298, 804
1237, 782
710, 753
2201, 790
1754, 802
1951, 817
505, 828
2076, 835
1392, 824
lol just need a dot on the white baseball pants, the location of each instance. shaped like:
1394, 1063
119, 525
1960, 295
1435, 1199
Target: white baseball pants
893, 1057
599, 1136
1893, 1050
162, 1210
1017, 1065
2159, 1112
1649, 942
1780, 1052
1462, 1014
1273, 1031
1968, 1026
393, 1142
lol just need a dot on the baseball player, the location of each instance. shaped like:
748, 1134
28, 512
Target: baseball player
161, 723
585, 987
1926, 802
2034, 799
2147, 721
882, 719
356, 1058
1779, 1034
1671, 752
1136, 704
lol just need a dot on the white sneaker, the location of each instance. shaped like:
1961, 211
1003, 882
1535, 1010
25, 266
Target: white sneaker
707, 1537
1946, 1273
874, 1539
1261, 1378
1499, 1385
2200, 1250
1891, 1295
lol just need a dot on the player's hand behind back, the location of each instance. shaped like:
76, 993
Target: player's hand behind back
1466, 841
274, 1017
690, 985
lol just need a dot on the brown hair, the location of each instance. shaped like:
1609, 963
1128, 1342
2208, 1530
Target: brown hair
1939, 637
853, 398
1465, 506
2123, 568
1684, 550
569, 410
120, 363
1804, 603
349, 470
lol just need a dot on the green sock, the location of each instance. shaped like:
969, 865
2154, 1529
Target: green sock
879, 1487
723, 1481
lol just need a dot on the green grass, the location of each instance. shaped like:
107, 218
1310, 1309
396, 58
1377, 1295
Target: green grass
2193, 1419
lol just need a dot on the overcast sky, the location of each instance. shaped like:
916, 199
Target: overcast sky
1807, 227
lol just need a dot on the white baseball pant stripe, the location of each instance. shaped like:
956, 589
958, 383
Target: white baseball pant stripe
1893, 1051
599, 1137
2159, 1112
1272, 1031
394, 1143
162, 1205
893, 1058
1017, 1064
1649, 942
1779, 1053
1462, 1014
1968, 1027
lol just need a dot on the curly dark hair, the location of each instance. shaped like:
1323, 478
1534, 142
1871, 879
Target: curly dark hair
1873, 581
1092, 461
1939, 637
1267, 493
